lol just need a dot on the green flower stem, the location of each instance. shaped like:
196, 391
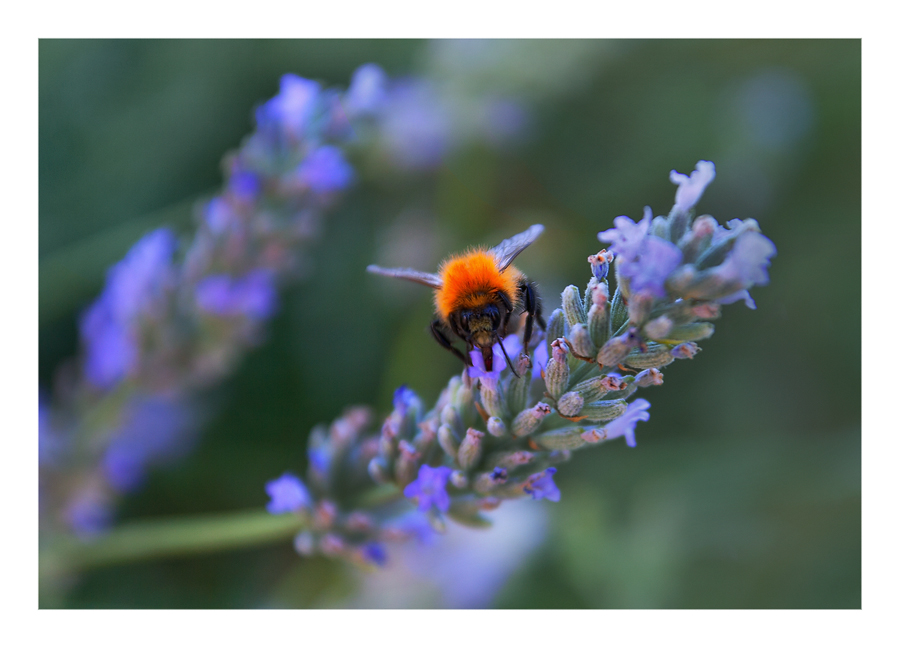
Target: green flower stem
168, 537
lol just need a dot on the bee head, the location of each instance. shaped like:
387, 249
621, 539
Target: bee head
480, 326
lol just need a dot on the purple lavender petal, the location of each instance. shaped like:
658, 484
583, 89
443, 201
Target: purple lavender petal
541, 486
430, 487
325, 170
287, 494
690, 188
624, 425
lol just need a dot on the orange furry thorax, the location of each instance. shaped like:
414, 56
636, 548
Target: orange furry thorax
472, 280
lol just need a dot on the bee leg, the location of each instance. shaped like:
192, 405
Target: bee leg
509, 308
437, 331
532, 310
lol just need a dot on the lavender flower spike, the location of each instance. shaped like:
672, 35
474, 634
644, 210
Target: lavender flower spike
430, 487
690, 188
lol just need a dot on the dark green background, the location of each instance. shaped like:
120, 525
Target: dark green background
744, 489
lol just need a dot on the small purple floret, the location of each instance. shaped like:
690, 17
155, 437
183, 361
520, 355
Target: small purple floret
541, 486
253, 295
288, 494
367, 92
325, 170
690, 188
430, 488
624, 425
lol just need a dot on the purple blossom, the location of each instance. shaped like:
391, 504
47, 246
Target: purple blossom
244, 185
219, 215
644, 259
690, 188
154, 430
253, 295
747, 262
416, 126
657, 261
624, 425
89, 513
287, 494
513, 346
291, 109
477, 370
374, 553
626, 238
430, 488
405, 399
132, 286
415, 524
541, 486
319, 458
737, 296
325, 170
367, 92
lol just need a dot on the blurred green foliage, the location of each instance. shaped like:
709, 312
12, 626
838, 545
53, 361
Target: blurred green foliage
744, 489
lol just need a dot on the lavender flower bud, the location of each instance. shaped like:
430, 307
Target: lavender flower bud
649, 377
573, 307
448, 440
658, 328
603, 410
407, 465
451, 418
388, 440
379, 471
426, 438
487, 481
510, 460
691, 332
697, 240
556, 327
655, 355
557, 373
492, 400
639, 307
470, 449
467, 511
600, 264
598, 315
496, 427
707, 311
561, 439
593, 389
685, 350
581, 341
518, 388
459, 480
618, 309
305, 543
529, 420
570, 403
615, 350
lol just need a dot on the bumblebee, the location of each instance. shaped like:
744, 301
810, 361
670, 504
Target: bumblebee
476, 292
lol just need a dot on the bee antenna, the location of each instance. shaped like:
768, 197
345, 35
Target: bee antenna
508, 361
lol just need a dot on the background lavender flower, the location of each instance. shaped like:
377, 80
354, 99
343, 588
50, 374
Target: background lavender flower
252, 295
288, 494
110, 327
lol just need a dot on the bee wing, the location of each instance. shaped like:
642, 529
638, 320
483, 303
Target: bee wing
507, 250
425, 278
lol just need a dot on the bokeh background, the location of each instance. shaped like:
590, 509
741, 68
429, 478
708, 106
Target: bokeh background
744, 489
